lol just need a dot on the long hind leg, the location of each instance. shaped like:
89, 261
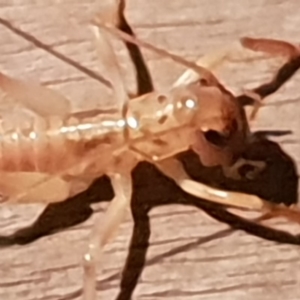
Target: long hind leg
103, 231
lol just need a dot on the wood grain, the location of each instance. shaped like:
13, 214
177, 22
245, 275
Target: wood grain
191, 256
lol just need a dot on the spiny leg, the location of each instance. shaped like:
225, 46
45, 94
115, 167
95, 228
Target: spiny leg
104, 230
174, 169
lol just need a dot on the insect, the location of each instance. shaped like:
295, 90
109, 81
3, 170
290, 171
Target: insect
200, 114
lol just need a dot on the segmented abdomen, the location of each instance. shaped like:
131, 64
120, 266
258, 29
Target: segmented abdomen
26, 145
29, 143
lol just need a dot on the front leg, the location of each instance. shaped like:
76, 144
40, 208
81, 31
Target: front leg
104, 230
174, 169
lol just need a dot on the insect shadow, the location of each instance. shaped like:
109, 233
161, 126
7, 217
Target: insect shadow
277, 183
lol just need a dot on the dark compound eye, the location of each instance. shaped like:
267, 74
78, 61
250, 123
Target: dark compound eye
216, 138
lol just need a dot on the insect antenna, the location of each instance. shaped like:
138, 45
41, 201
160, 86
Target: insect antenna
204, 73
47, 48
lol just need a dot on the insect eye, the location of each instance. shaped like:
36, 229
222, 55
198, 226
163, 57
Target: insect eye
216, 138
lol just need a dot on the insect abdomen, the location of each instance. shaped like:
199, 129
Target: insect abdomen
34, 144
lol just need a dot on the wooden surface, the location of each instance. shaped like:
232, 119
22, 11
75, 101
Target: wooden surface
191, 256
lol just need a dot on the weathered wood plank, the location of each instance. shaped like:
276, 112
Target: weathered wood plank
186, 259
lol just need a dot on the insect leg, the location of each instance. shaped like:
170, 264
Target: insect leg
274, 48
208, 61
29, 95
271, 46
104, 230
105, 51
268, 46
174, 169
107, 56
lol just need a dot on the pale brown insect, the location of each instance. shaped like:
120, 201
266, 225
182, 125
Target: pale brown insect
48, 153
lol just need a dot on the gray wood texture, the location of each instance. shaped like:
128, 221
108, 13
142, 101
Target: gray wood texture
191, 256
